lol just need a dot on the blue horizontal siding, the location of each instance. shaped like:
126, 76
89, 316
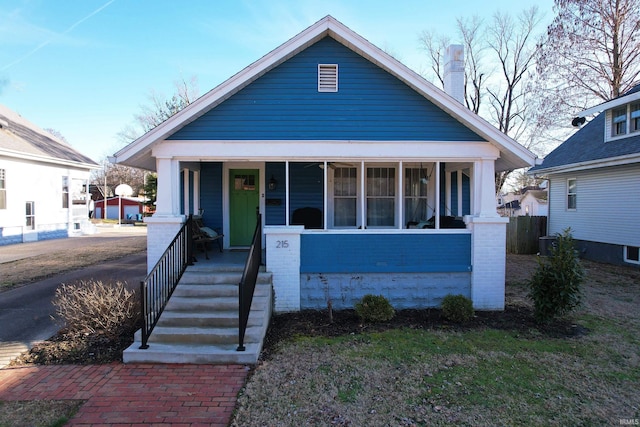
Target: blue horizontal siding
285, 104
211, 194
385, 253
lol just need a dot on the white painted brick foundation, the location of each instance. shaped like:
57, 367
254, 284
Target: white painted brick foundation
488, 259
283, 261
160, 232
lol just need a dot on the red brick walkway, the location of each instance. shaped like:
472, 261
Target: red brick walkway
133, 395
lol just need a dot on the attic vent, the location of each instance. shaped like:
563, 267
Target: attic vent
327, 77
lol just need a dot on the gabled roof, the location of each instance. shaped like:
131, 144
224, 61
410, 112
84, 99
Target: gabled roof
20, 138
139, 152
587, 148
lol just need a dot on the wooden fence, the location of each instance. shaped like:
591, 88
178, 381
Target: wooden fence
524, 232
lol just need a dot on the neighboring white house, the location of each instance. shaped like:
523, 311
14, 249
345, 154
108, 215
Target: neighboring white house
369, 179
595, 181
531, 202
43, 183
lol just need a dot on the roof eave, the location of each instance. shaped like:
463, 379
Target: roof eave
591, 164
47, 159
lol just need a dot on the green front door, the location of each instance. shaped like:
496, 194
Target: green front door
244, 200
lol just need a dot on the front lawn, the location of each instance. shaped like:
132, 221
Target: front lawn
584, 370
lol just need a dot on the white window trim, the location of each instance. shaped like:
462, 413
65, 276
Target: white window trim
397, 197
609, 125
327, 77
568, 194
626, 256
3, 177
331, 197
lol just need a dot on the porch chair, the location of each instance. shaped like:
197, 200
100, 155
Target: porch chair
203, 235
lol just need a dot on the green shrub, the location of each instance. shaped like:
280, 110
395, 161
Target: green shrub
457, 308
555, 285
374, 308
96, 308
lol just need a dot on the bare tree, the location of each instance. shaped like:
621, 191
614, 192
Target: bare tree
591, 52
500, 59
157, 110
473, 34
435, 46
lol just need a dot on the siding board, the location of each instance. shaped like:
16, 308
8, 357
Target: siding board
211, 194
608, 202
385, 253
284, 104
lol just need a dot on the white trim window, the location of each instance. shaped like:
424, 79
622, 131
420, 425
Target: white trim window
635, 117
381, 196
619, 121
345, 197
572, 194
65, 192
632, 254
3, 189
30, 215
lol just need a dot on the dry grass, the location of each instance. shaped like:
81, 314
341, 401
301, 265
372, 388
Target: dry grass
481, 376
46, 413
30, 269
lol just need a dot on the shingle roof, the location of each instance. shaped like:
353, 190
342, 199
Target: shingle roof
588, 145
18, 135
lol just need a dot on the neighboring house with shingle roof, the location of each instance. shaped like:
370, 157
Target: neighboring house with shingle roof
591, 173
43, 183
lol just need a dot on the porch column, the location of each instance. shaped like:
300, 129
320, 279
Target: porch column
283, 262
488, 260
484, 196
163, 226
168, 192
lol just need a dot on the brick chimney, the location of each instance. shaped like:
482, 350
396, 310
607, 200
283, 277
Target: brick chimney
454, 72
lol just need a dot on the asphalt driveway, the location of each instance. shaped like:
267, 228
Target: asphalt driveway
26, 312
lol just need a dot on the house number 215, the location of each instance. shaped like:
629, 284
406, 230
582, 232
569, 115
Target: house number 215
282, 244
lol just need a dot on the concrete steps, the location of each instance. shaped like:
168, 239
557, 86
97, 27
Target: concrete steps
200, 322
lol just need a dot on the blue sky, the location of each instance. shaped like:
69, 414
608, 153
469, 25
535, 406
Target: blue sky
84, 67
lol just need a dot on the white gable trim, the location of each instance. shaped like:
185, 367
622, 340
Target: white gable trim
513, 154
610, 104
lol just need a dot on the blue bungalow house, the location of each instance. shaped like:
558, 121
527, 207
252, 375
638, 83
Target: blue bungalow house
369, 179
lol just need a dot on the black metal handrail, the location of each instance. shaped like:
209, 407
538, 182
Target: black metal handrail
157, 287
247, 284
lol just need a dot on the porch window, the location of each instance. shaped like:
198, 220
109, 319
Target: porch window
30, 214
572, 193
3, 189
345, 197
415, 195
619, 125
381, 196
635, 117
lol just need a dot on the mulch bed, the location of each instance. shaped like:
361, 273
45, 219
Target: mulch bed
315, 323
